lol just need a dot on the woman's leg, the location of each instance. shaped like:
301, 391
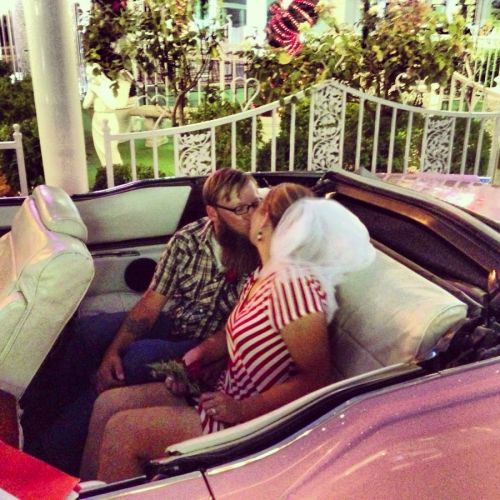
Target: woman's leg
114, 401
133, 437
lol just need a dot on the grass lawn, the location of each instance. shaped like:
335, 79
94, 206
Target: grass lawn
143, 154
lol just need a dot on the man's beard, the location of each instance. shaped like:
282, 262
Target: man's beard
238, 254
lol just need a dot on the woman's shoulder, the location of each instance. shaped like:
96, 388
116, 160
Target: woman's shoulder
296, 292
295, 274
292, 280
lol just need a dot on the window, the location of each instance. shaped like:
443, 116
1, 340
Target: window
237, 9
238, 16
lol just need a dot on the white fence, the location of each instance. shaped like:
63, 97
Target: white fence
17, 145
331, 127
467, 95
486, 59
223, 73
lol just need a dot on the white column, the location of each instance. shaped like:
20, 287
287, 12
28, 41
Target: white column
19, 32
341, 7
256, 19
451, 7
54, 71
12, 43
213, 10
352, 12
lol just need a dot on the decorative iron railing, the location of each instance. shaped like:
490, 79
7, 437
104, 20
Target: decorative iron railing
467, 95
331, 126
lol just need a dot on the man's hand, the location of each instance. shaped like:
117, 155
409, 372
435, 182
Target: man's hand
175, 387
194, 355
110, 373
138, 322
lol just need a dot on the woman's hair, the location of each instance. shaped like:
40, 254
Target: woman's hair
318, 237
281, 197
222, 183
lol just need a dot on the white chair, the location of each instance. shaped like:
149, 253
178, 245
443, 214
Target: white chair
45, 270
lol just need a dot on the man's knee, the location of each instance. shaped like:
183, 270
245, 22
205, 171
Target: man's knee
139, 356
96, 332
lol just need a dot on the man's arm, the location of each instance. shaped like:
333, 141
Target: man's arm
212, 349
138, 322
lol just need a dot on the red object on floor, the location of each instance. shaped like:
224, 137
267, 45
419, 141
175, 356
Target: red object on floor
9, 431
27, 478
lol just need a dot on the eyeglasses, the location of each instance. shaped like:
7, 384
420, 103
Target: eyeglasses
241, 209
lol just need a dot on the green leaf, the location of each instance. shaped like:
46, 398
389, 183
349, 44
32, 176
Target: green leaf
285, 58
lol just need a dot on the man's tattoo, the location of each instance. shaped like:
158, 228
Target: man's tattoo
137, 328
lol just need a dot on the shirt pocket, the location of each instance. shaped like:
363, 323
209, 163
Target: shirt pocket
194, 316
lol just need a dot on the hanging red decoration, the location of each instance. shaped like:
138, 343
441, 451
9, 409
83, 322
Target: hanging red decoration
286, 17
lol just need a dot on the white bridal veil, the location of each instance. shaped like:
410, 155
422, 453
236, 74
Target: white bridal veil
324, 239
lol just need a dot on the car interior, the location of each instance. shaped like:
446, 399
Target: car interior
95, 253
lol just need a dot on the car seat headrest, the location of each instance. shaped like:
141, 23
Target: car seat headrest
58, 212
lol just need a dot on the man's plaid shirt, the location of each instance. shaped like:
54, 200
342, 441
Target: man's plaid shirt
192, 278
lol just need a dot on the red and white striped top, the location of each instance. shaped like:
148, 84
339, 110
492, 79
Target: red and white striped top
258, 355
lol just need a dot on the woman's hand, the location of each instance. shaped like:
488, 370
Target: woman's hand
222, 407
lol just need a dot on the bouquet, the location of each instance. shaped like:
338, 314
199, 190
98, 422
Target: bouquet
189, 375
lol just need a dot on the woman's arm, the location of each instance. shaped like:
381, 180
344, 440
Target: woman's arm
307, 341
210, 354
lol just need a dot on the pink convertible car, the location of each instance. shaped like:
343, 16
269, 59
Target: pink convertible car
414, 411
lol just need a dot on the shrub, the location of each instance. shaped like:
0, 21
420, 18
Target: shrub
5, 69
18, 106
216, 106
394, 52
122, 175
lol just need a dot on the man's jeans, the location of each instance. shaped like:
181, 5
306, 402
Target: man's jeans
61, 444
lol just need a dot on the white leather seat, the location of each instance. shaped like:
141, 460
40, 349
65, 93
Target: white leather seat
45, 270
389, 314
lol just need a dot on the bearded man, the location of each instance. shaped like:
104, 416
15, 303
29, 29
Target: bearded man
201, 272
200, 275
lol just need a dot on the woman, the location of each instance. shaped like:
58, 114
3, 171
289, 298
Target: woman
276, 338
